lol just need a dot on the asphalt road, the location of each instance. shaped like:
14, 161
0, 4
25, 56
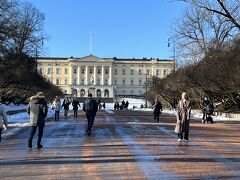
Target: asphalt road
124, 145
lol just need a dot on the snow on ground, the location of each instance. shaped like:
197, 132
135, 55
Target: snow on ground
13, 107
19, 120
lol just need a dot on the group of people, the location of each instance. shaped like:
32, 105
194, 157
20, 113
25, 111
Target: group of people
38, 109
122, 105
56, 106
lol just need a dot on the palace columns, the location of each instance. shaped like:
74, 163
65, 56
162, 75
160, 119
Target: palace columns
102, 75
79, 76
110, 76
94, 75
86, 74
70, 75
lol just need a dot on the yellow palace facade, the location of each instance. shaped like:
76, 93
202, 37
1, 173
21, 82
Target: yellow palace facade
103, 77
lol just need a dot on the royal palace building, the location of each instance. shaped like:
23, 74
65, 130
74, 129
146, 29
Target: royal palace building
103, 77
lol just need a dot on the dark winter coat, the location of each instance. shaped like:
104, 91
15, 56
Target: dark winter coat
66, 104
90, 107
75, 104
37, 109
204, 104
183, 116
157, 107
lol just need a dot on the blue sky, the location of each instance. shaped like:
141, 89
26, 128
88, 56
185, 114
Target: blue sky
121, 28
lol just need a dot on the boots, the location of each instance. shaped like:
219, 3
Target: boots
29, 144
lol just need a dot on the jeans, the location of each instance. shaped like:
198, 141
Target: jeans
183, 135
40, 134
56, 115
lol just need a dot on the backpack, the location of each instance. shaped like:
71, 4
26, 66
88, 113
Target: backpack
89, 105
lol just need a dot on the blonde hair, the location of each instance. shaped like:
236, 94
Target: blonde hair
185, 96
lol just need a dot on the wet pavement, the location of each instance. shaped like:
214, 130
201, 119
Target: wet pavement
124, 145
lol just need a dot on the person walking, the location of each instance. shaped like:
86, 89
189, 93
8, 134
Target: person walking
90, 107
66, 103
3, 118
37, 109
205, 103
56, 106
183, 118
157, 110
75, 105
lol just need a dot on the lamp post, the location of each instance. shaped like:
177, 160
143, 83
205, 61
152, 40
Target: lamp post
145, 84
174, 66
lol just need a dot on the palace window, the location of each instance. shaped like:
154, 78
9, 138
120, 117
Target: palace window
132, 72
65, 81
82, 82
75, 71
83, 71
132, 82
74, 81
58, 71
106, 82
106, 71
57, 81
157, 72
123, 92
115, 82
140, 92
66, 71
132, 92
99, 71
115, 71
139, 72
98, 81
139, 82
124, 82
165, 71
124, 72
91, 71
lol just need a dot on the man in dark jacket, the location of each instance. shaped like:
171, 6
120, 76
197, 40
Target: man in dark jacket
37, 109
157, 110
90, 107
205, 102
75, 105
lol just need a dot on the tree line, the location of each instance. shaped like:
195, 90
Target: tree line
207, 40
21, 41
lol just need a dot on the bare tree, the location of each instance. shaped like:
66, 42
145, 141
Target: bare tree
199, 30
21, 27
229, 9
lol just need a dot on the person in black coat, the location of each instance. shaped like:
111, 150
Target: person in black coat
66, 103
90, 107
75, 105
157, 110
205, 102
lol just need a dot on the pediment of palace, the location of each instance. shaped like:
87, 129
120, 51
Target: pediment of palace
90, 60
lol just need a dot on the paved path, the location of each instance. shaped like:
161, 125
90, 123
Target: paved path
124, 145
